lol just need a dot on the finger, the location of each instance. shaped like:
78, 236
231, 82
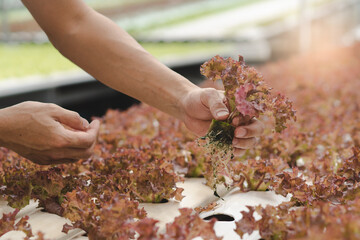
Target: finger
75, 154
215, 101
255, 129
68, 154
244, 143
83, 139
71, 119
41, 159
94, 127
239, 152
197, 126
196, 107
236, 121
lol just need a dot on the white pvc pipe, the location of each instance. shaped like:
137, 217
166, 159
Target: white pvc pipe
304, 26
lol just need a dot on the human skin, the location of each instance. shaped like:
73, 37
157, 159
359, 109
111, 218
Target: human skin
46, 133
111, 55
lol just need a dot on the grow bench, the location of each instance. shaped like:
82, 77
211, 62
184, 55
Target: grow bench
196, 193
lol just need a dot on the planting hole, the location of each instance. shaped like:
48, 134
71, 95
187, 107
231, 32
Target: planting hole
220, 217
164, 200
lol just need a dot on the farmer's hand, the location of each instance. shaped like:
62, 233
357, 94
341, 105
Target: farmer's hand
46, 133
202, 105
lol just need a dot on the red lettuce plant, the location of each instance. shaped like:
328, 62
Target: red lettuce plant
109, 218
247, 97
188, 226
142, 153
7, 224
254, 175
322, 220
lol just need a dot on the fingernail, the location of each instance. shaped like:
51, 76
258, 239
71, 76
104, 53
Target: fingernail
222, 113
85, 123
240, 132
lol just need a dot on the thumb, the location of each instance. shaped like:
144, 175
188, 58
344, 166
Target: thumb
215, 101
71, 119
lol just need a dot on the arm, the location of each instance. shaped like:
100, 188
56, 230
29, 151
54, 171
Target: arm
109, 54
112, 56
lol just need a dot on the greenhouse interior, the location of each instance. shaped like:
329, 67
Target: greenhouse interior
180, 119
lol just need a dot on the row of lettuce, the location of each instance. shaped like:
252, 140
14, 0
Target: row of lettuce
142, 153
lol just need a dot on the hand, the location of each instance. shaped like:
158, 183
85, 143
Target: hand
46, 133
245, 137
201, 105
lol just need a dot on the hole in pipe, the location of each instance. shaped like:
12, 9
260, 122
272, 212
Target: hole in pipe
220, 217
164, 200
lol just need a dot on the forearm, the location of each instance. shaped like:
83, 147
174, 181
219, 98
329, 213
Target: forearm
112, 56
109, 54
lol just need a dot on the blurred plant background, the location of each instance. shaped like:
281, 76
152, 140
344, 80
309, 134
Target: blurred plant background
183, 33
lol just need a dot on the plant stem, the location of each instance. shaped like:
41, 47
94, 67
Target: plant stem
260, 182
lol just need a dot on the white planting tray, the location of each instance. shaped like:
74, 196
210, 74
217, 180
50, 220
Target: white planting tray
196, 193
